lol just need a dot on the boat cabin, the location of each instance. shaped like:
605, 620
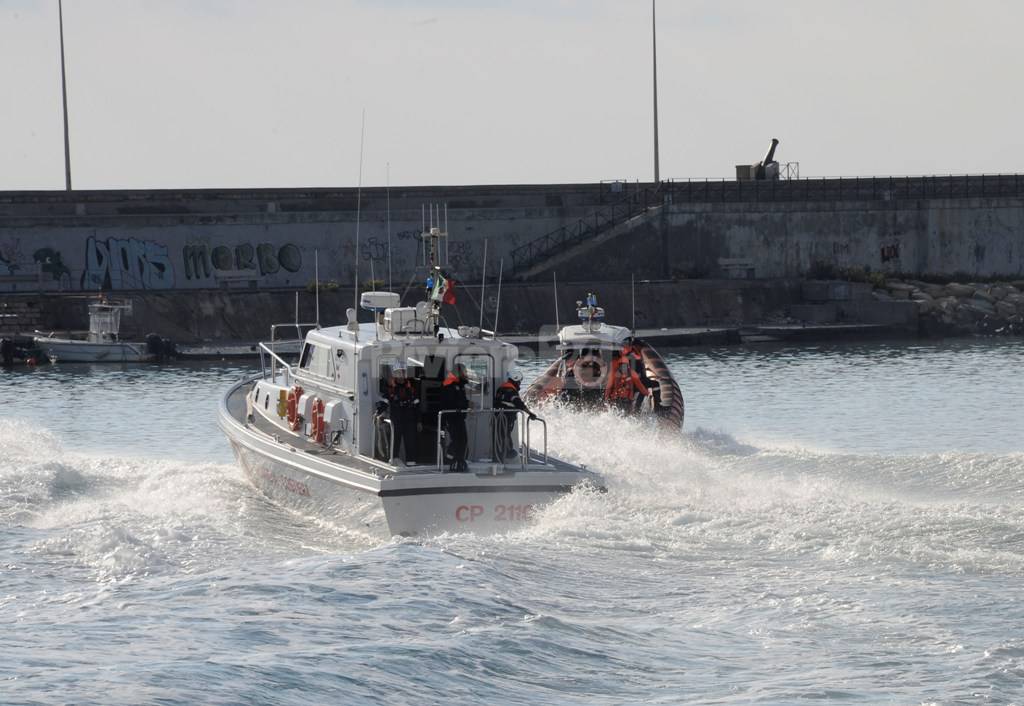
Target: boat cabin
336, 394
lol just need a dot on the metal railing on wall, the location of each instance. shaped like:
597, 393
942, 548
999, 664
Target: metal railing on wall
845, 188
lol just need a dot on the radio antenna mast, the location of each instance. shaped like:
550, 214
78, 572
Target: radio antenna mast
359, 204
632, 287
389, 222
483, 285
497, 307
554, 279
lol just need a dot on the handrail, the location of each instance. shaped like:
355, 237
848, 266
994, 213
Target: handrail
524, 434
275, 359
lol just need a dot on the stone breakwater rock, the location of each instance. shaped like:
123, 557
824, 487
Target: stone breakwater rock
1005, 309
962, 308
959, 290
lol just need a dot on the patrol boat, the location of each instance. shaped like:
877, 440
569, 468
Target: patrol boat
602, 365
310, 435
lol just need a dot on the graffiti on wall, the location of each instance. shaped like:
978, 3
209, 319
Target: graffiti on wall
10, 256
203, 262
126, 263
52, 262
890, 252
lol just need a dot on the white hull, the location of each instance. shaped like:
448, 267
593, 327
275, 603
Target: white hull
62, 350
385, 499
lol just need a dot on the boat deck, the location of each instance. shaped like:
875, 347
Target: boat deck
237, 409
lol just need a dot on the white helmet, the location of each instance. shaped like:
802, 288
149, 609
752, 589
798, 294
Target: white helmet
515, 375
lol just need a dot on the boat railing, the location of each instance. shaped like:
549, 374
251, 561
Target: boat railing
377, 440
499, 427
276, 362
300, 335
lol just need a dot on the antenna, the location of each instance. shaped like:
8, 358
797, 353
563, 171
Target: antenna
483, 285
423, 231
388, 192
554, 280
316, 284
632, 286
497, 307
359, 204
376, 315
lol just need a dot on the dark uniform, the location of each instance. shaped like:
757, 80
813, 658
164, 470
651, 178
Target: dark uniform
507, 398
453, 397
403, 410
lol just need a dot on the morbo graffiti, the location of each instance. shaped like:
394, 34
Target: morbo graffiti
202, 262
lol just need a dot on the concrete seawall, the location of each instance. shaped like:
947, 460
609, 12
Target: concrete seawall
268, 239
203, 316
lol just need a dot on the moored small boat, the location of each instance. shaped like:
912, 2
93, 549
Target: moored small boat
102, 344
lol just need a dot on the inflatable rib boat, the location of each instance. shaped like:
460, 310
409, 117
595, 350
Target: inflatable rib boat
604, 366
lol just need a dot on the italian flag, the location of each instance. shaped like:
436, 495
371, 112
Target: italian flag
444, 289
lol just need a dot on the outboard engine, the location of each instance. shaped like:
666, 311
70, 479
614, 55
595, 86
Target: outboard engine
154, 345
161, 348
7, 352
170, 349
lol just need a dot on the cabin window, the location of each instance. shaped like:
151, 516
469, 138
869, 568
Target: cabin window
480, 371
316, 359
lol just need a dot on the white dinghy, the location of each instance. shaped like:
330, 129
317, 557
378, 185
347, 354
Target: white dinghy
312, 434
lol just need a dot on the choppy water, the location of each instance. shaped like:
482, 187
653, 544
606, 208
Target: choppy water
838, 524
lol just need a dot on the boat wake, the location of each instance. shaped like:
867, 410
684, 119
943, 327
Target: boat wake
706, 495
700, 495
118, 517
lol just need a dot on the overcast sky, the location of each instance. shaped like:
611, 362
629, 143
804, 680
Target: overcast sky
265, 93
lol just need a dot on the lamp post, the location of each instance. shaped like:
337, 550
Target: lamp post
64, 93
654, 50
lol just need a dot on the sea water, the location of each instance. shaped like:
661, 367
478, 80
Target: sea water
840, 524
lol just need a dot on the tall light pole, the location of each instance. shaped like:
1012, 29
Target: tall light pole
654, 49
64, 92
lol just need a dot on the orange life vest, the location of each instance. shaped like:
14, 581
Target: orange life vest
623, 386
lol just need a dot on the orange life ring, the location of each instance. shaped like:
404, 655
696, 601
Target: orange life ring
589, 371
316, 421
294, 419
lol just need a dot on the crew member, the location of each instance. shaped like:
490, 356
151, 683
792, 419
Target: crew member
455, 402
623, 386
507, 398
403, 410
633, 352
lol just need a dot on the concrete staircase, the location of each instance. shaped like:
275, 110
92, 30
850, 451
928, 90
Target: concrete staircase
569, 241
